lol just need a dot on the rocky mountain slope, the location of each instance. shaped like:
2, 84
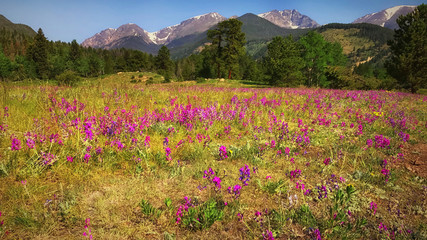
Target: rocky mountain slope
116, 38
289, 19
386, 18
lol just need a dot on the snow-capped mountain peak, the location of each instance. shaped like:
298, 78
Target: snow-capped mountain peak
386, 18
390, 12
190, 26
289, 19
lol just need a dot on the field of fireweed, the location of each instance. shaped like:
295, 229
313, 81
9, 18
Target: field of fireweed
114, 160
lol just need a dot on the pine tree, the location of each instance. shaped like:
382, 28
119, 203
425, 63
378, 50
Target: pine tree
216, 36
39, 54
164, 63
235, 39
5, 65
229, 40
74, 51
408, 62
284, 63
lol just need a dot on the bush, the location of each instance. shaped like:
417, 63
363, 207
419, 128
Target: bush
68, 78
203, 216
200, 80
167, 76
422, 91
150, 81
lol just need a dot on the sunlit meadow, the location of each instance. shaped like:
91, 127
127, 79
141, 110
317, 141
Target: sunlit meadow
111, 159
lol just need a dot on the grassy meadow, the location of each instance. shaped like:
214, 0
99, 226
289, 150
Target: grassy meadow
117, 158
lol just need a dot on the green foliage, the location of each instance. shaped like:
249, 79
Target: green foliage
250, 69
341, 77
5, 65
163, 60
168, 203
229, 40
148, 209
273, 187
75, 52
203, 216
200, 80
283, 62
422, 91
40, 58
186, 68
408, 62
39, 54
305, 217
339, 215
318, 54
376, 33
21, 29
68, 78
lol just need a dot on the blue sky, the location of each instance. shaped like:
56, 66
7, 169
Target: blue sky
80, 19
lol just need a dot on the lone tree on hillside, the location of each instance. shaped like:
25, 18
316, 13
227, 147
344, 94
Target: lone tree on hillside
229, 41
408, 61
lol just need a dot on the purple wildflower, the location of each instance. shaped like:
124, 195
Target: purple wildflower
223, 152
245, 175
327, 161
86, 157
16, 144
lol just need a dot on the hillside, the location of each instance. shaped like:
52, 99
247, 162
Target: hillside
361, 42
14, 38
6, 24
134, 43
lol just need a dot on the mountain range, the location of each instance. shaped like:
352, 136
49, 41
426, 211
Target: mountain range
190, 34
129, 35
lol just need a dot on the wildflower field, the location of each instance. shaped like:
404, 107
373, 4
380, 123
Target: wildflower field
111, 159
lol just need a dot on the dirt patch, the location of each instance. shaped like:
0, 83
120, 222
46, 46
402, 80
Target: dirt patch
416, 159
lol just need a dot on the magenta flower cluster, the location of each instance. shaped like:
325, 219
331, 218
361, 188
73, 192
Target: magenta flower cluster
235, 191
381, 141
88, 232
210, 175
182, 209
223, 152
16, 144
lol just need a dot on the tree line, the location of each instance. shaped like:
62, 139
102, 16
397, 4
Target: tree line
22, 57
310, 60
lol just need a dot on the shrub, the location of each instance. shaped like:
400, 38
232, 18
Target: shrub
202, 216
200, 80
68, 78
148, 209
